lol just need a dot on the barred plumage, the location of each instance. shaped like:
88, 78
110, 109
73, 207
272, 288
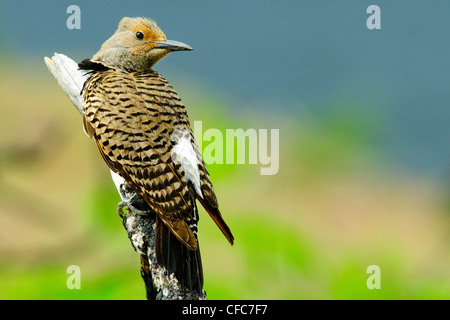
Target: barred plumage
142, 129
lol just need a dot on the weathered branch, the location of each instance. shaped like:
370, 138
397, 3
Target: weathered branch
140, 227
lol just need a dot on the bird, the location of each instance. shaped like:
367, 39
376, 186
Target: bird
142, 130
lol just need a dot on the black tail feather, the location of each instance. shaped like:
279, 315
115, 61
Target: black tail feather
185, 263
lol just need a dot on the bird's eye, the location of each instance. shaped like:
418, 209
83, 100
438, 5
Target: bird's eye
139, 35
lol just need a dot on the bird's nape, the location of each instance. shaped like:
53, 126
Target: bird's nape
137, 45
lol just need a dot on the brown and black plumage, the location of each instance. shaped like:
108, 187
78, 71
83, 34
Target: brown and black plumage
142, 129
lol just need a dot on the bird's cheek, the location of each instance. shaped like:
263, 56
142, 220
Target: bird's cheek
142, 49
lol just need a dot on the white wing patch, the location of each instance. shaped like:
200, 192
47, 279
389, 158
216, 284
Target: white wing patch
184, 153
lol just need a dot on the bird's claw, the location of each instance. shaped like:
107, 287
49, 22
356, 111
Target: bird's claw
128, 204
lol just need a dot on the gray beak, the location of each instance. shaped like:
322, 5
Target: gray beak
172, 45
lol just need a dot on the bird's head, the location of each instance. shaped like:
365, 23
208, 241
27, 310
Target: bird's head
137, 45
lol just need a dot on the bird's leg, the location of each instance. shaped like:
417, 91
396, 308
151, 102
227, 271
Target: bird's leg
129, 204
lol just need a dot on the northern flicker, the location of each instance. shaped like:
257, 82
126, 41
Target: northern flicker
142, 130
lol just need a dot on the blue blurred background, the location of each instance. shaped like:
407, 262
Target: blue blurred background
364, 148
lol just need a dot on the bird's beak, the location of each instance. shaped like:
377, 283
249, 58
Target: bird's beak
172, 45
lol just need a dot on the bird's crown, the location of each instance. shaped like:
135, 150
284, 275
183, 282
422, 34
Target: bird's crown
137, 45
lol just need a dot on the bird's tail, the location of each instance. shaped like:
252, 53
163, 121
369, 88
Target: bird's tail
178, 259
214, 213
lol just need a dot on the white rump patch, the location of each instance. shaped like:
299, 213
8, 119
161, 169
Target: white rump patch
118, 181
184, 153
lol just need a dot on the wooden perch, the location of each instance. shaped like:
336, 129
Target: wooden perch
159, 285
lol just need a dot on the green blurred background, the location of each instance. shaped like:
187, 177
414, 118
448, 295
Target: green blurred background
364, 154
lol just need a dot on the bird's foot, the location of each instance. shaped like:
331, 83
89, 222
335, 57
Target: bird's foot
129, 204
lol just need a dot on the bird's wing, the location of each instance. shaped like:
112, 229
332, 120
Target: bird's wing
186, 158
133, 136
138, 121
